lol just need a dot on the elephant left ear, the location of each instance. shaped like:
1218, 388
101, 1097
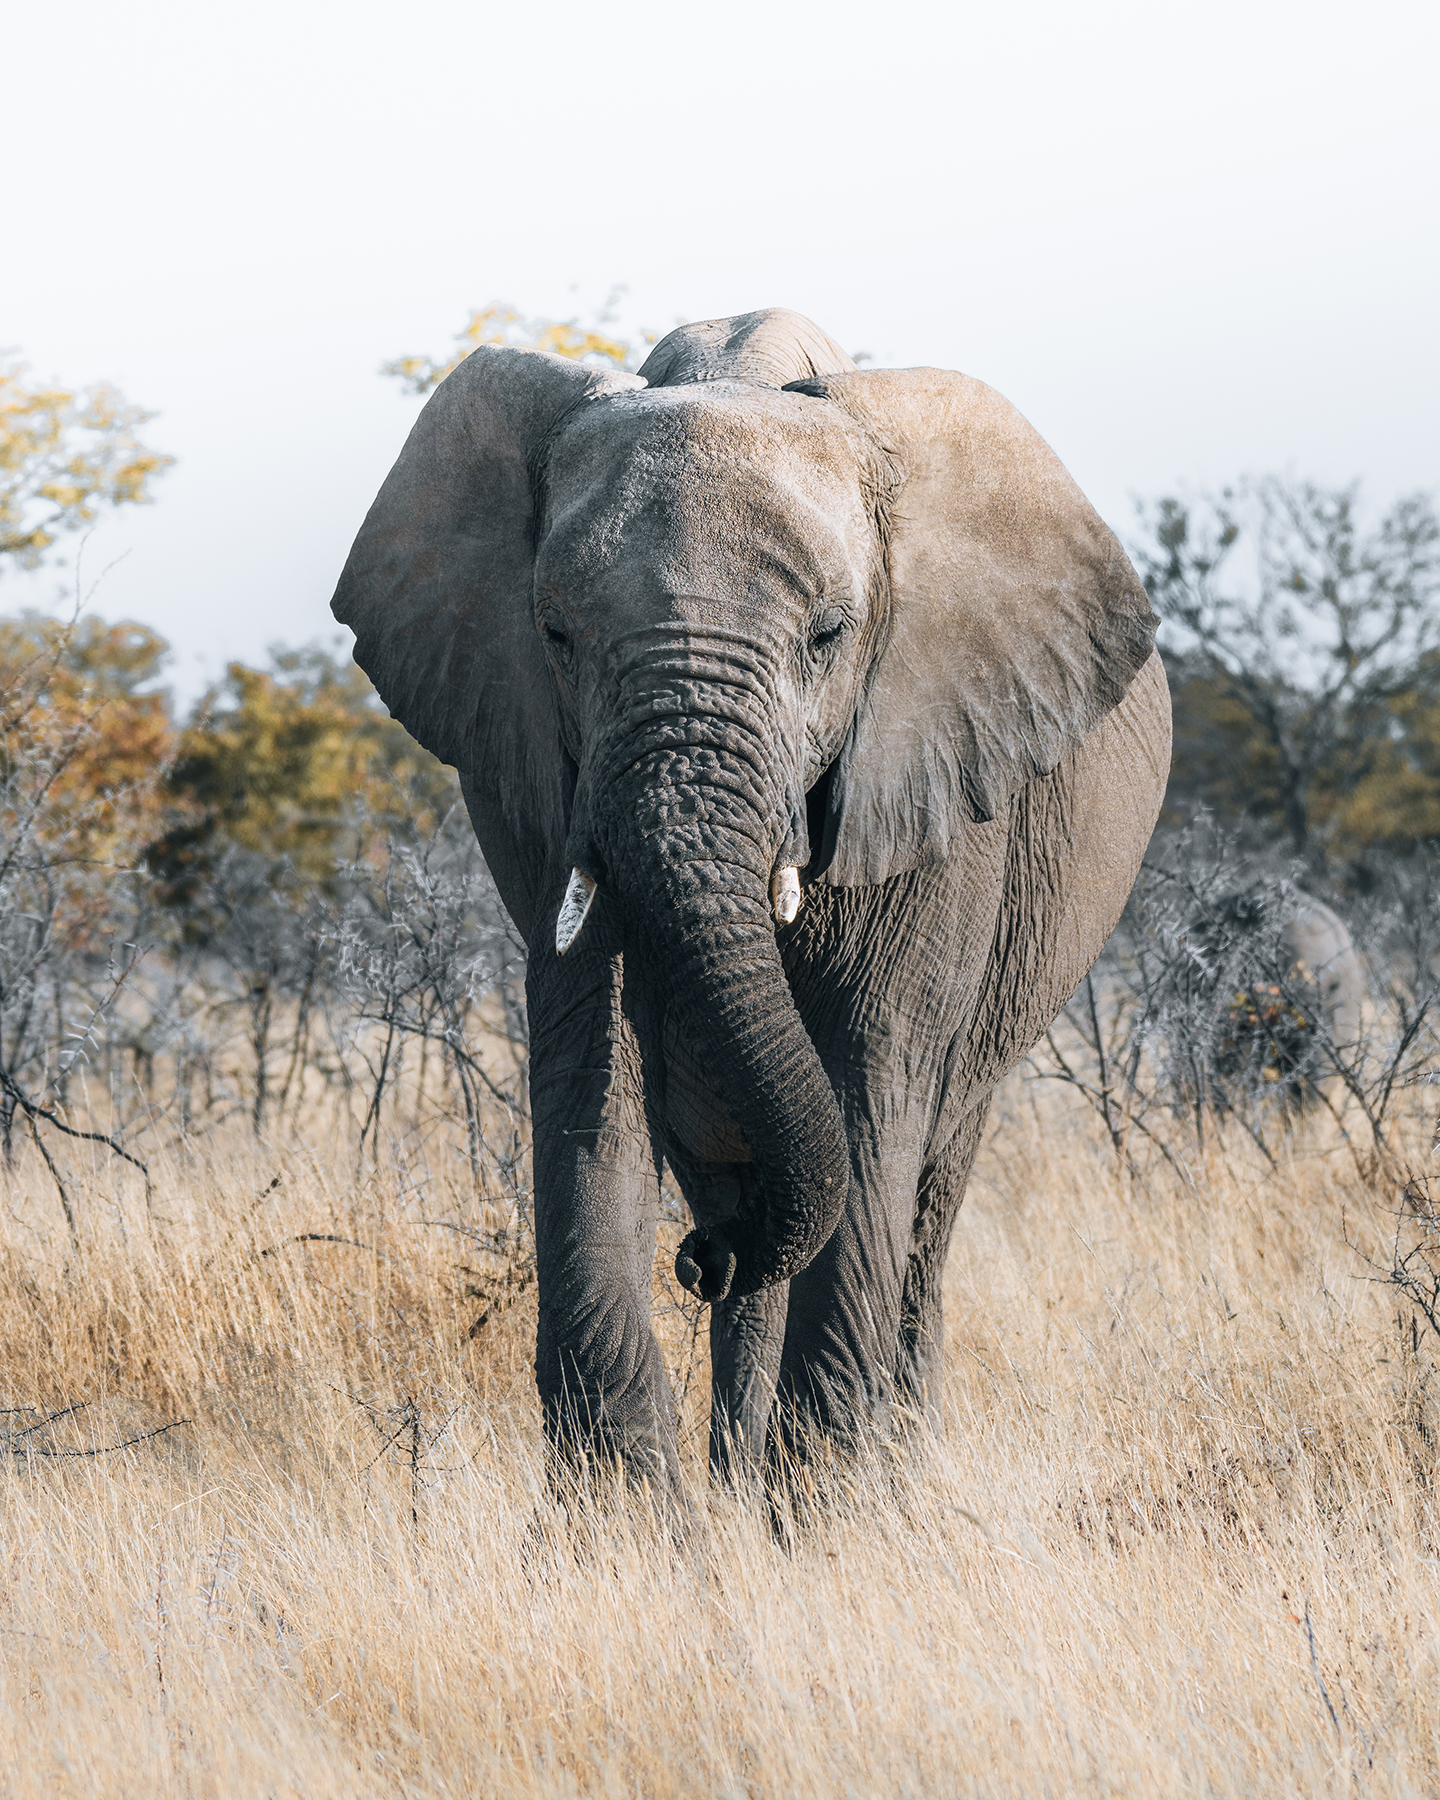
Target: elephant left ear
1016, 622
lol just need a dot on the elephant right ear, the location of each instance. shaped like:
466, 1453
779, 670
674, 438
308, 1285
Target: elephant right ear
438, 589
1016, 621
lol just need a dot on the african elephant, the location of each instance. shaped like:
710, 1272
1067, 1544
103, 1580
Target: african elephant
831, 691
1322, 952
1288, 984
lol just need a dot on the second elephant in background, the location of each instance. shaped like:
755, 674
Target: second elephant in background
1290, 988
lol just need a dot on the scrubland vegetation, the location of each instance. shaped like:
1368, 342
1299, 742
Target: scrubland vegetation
276, 1512
1177, 1531
277, 1516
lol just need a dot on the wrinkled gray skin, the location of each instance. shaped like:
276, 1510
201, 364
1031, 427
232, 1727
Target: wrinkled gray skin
755, 608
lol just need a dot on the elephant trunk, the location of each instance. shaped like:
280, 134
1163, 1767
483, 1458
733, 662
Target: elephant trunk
689, 820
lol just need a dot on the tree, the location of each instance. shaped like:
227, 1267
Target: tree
65, 453
290, 794
1298, 642
79, 697
500, 323
1394, 801
282, 763
81, 744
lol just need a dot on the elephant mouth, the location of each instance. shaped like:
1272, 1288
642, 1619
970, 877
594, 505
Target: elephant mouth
581, 889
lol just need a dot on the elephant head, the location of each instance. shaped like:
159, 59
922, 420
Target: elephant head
749, 613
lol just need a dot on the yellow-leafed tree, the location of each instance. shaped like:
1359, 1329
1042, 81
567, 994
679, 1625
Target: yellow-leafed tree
500, 323
1302, 638
64, 454
81, 718
297, 763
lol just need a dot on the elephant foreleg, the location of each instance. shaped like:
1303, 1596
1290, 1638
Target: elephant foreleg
922, 1330
602, 1382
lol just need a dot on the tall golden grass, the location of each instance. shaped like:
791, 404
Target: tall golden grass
1177, 1533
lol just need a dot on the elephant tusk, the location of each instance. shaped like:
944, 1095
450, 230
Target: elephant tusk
579, 892
785, 894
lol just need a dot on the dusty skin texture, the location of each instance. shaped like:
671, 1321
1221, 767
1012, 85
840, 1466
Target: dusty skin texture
756, 610
1174, 1425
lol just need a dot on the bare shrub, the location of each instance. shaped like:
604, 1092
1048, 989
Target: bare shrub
385, 997
1199, 1017
1176, 1530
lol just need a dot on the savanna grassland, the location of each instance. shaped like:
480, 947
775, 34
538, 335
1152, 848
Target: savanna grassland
1177, 1533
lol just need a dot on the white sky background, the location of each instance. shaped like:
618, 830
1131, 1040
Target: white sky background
1185, 240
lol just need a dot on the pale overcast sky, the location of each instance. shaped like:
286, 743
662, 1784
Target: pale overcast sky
1186, 240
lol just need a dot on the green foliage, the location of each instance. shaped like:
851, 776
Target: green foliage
296, 764
1392, 799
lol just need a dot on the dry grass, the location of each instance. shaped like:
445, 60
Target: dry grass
1178, 1534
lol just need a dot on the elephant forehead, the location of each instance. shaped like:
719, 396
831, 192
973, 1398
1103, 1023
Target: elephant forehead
700, 489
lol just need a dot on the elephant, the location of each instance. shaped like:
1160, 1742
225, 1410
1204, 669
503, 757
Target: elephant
811, 725
1288, 986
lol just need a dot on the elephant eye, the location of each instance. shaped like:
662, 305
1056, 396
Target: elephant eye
828, 629
558, 640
